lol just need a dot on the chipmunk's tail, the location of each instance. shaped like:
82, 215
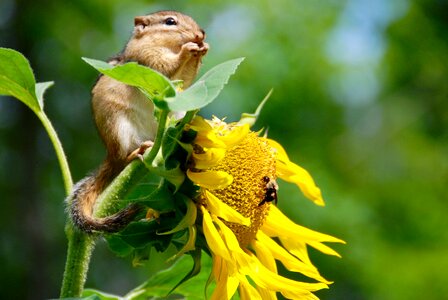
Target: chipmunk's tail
82, 201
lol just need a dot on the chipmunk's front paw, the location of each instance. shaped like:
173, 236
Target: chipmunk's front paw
138, 153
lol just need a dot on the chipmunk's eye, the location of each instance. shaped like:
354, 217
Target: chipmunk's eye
170, 21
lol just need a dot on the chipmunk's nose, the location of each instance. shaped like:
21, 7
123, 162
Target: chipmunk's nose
199, 37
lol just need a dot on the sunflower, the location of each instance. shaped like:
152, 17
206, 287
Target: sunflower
236, 171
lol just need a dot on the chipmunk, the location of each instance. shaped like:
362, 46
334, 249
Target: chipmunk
167, 41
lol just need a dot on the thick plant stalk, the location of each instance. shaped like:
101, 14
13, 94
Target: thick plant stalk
80, 244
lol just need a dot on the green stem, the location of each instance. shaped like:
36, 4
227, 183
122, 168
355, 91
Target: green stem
63, 164
158, 139
80, 247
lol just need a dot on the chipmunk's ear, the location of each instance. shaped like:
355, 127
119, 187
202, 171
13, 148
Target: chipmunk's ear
140, 24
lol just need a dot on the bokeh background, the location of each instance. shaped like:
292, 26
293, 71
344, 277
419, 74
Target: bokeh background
360, 100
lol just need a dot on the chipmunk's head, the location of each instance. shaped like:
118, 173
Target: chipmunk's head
168, 29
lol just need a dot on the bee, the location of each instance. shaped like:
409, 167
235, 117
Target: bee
270, 191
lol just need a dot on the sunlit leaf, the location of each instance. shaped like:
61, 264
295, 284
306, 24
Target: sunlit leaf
91, 294
17, 78
192, 98
205, 89
41, 88
150, 81
160, 285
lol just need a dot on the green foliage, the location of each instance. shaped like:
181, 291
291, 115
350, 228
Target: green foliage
162, 284
206, 88
161, 90
153, 84
17, 79
166, 284
90, 294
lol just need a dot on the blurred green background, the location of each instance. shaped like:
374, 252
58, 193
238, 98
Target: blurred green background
360, 100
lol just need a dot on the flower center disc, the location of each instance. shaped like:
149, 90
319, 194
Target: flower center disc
249, 162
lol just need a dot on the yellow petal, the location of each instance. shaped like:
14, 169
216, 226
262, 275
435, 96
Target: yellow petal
224, 211
218, 267
209, 139
291, 172
214, 240
281, 153
296, 248
226, 284
289, 261
200, 124
264, 255
211, 179
267, 294
248, 292
272, 281
209, 158
229, 237
283, 224
278, 225
235, 135
324, 248
206, 135
232, 285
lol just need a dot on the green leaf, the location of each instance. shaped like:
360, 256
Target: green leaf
250, 119
91, 294
146, 186
140, 234
196, 255
118, 246
170, 139
41, 88
206, 89
17, 78
151, 82
189, 218
143, 233
175, 175
160, 199
160, 285
190, 99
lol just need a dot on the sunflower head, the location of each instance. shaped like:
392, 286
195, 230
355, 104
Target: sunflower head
249, 190
236, 172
